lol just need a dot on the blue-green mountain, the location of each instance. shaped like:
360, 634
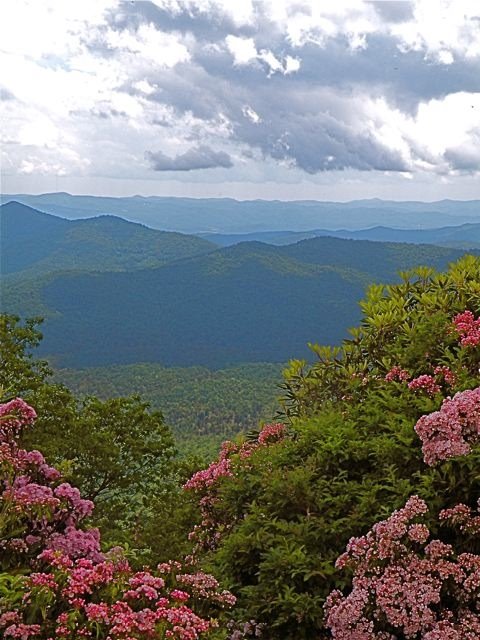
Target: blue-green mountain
35, 242
465, 236
225, 215
251, 302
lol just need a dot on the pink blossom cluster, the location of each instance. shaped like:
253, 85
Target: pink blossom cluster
106, 600
37, 512
446, 373
271, 433
396, 373
425, 383
463, 518
453, 429
468, 328
14, 416
405, 586
222, 467
75, 591
205, 586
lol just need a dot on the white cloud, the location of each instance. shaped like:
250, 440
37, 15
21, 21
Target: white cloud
243, 50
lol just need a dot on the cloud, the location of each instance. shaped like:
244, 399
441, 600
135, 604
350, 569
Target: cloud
394, 10
201, 157
291, 89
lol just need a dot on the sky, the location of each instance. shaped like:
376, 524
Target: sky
274, 99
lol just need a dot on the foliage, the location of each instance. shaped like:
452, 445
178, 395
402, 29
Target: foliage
55, 579
280, 517
195, 401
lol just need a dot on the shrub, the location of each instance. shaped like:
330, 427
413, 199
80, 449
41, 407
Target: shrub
56, 581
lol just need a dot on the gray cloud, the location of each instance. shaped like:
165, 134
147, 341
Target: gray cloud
314, 119
467, 158
394, 10
201, 157
373, 87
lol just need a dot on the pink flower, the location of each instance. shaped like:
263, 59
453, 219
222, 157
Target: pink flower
468, 328
397, 373
425, 383
452, 430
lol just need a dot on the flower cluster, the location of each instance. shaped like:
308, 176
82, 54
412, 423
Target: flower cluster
108, 600
271, 433
396, 373
425, 383
14, 416
429, 384
405, 586
38, 512
446, 373
222, 467
70, 589
453, 429
468, 328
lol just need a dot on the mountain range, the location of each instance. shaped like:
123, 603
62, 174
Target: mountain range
251, 302
224, 215
465, 236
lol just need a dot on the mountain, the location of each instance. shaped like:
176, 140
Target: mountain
225, 215
37, 242
463, 236
252, 302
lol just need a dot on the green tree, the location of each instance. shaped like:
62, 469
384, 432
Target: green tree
117, 451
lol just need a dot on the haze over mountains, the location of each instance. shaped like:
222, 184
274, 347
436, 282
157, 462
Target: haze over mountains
223, 215
465, 236
116, 293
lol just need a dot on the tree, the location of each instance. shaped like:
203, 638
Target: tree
116, 451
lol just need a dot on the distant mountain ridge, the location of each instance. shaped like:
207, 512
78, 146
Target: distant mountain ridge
462, 236
224, 215
40, 243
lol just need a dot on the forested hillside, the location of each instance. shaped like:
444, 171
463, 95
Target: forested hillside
236, 304
32, 242
196, 402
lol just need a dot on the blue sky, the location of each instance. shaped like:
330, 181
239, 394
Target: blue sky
285, 99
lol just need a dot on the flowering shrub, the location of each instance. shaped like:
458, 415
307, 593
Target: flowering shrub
451, 430
468, 328
68, 588
232, 457
38, 511
405, 585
